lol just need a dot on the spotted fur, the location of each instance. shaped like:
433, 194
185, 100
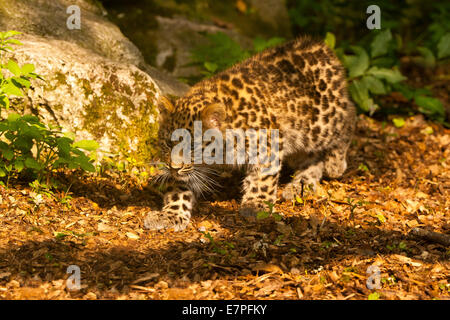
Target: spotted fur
298, 88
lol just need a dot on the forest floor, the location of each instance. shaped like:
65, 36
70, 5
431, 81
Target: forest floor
398, 179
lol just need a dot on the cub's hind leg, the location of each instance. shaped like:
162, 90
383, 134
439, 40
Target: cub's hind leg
310, 169
335, 162
259, 188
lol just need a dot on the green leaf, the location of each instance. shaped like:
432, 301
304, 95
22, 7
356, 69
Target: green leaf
69, 135
10, 136
60, 235
21, 82
428, 130
4, 101
19, 165
444, 46
390, 75
379, 45
402, 246
87, 166
33, 132
8, 154
383, 62
2, 173
277, 217
360, 94
83, 162
405, 90
13, 41
374, 85
430, 106
60, 162
363, 167
374, 296
89, 145
13, 117
6, 48
357, 64
221, 50
32, 164
260, 44
11, 89
422, 92
428, 56
398, 122
64, 145
14, 68
330, 40
23, 143
30, 118
73, 165
210, 66
27, 68
9, 34
262, 215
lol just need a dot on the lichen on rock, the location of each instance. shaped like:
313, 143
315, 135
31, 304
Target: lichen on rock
97, 84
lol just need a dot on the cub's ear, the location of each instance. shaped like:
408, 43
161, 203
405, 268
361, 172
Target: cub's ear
213, 116
165, 103
165, 107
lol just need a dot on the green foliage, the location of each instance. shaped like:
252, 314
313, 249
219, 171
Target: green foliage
220, 247
27, 144
221, 52
444, 46
372, 75
269, 213
330, 40
21, 76
418, 29
372, 59
375, 75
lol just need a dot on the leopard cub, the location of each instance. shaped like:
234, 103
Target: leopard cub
297, 90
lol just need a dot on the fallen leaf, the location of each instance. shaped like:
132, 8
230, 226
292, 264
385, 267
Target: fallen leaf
132, 235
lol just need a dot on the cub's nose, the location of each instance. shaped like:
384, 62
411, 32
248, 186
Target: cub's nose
177, 162
175, 165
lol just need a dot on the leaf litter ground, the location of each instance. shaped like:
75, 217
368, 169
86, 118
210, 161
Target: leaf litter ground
398, 179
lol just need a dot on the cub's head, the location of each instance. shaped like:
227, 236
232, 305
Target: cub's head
179, 122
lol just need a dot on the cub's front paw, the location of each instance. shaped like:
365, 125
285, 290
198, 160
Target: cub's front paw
157, 220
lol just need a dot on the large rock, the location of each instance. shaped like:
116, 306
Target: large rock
275, 14
97, 83
177, 37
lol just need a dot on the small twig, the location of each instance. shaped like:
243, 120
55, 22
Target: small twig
142, 288
340, 202
431, 236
